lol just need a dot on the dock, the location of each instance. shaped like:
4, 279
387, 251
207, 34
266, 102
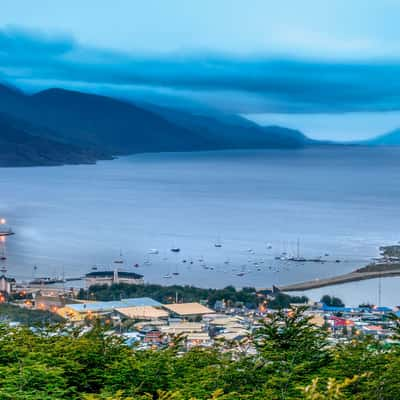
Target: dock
339, 279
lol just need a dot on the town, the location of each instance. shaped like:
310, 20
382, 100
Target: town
148, 323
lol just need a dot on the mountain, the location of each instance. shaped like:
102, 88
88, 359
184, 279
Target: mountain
99, 122
111, 126
388, 139
233, 131
20, 148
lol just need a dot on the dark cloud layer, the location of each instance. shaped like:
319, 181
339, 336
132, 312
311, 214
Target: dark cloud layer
241, 84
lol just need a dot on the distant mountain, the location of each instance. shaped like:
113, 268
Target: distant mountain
388, 139
233, 131
110, 126
19, 148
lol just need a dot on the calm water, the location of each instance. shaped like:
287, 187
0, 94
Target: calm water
343, 202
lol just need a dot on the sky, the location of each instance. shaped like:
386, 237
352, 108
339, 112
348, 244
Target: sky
331, 69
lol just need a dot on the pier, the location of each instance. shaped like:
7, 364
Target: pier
339, 279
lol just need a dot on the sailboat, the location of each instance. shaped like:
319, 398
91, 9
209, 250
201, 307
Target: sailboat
119, 260
218, 243
298, 258
3, 256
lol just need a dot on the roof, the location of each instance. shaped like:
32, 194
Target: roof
98, 306
183, 327
121, 274
11, 280
373, 328
145, 312
341, 321
188, 309
336, 309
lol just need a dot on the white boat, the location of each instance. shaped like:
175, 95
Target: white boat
119, 260
5, 230
152, 251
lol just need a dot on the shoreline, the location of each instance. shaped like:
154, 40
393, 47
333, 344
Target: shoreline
338, 280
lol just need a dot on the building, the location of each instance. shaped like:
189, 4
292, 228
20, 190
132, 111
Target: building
110, 277
52, 303
179, 328
78, 312
146, 313
7, 285
188, 310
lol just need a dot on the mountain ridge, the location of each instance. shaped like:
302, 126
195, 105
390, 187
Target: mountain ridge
19, 148
107, 126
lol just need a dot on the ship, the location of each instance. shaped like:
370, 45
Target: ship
5, 230
46, 281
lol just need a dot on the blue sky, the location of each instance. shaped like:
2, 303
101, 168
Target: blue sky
329, 68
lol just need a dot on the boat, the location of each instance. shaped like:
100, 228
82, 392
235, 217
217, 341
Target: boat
175, 249
240, 274
175, 273
152, 251
167, 276
218, 243
3, 256
46, 281
297, 258
119, 260
5, 230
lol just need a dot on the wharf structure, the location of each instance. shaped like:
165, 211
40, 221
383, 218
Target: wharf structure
111, 277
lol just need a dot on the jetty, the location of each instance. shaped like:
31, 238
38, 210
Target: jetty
377, 271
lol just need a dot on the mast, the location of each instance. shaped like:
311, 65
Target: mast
298, 248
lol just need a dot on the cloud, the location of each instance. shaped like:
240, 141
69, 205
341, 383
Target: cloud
245, 84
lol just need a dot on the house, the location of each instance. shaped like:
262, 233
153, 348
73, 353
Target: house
7, 285
110, 277
179, 328
197, 339
188, 310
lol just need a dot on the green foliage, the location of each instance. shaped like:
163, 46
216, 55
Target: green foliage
283, 300
167, 294
292, 361
332, 301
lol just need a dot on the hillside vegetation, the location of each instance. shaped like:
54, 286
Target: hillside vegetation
292, 361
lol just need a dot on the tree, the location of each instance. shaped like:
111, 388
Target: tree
291, 348
332, 301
